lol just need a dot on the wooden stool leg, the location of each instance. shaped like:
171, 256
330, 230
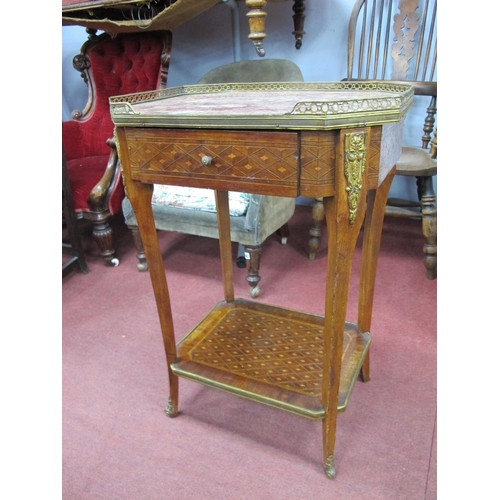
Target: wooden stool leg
429, 227
252, 254
376, 202
142, 265
318, 216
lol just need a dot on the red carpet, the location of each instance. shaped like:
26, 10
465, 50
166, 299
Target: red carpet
119, 445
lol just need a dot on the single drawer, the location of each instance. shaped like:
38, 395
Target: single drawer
248, 161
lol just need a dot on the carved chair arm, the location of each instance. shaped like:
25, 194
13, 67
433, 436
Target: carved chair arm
99, 196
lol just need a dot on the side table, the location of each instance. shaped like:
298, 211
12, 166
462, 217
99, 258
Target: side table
335, 140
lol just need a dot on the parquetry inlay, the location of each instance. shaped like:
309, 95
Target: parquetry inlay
265, 163
284, 353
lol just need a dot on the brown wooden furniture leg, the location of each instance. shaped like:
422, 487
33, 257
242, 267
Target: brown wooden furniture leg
298, 22
103, 236
376, 202
318, 216
224, 223
253, 264
142, 265
344, 216
254, 252
140, 198
341, 246
99, 213
429, 227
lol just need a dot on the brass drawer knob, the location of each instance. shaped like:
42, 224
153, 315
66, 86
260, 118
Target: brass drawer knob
206, 160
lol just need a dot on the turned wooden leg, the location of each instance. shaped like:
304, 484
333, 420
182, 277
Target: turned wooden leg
318, 216
257, 20
298, 22
103, 236
252, 254
429, 226
98, 212
142, 265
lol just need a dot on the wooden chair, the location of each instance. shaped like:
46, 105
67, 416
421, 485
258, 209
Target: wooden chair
110, 66
264, 216
397, 40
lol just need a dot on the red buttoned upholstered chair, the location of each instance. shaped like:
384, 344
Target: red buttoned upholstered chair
127, 63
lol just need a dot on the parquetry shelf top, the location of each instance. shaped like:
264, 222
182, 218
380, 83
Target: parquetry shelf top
266, 105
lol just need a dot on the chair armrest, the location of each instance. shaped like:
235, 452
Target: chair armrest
99, 196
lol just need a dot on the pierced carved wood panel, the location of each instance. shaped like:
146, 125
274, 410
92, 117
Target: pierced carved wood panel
406, 23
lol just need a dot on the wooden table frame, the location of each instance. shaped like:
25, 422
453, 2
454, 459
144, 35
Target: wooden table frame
355, 194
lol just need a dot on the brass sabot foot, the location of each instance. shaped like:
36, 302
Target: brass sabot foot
330, 468
171, 409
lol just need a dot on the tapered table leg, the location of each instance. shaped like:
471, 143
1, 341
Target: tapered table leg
344, 214
224, 225
140, 196
377, 200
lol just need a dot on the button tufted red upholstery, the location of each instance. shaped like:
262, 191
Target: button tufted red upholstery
126, 64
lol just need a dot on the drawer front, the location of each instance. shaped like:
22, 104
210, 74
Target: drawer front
248, 161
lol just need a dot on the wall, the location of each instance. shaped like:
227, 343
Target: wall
206, 42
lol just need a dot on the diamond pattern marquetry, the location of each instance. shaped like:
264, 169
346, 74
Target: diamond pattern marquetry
266, 348
317, 162
262, 160
317, 157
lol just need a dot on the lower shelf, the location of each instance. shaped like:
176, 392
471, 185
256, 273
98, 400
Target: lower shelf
268, 354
